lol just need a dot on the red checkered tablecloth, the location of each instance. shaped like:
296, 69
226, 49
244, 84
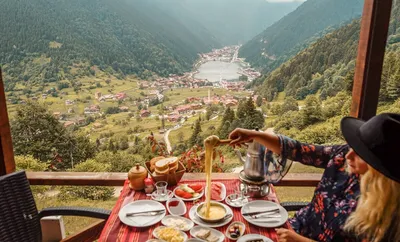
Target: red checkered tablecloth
115, 230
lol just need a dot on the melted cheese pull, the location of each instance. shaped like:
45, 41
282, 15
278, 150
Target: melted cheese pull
209, 144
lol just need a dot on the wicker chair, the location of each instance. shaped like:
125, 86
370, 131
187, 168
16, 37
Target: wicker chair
293, 206
19, 217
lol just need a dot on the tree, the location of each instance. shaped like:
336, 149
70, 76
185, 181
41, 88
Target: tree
248, 116
290, 104
208, 113
38, 133
181, 137
312, 111
225, 126
259, 101
195, 138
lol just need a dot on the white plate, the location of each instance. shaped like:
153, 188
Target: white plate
155, 233
188, 199
188, 223
260, 205
198, 221
178, 210
219, 235
155, 240
164, 198
253, 236
194, 240
236, 204
223, 192
141, 206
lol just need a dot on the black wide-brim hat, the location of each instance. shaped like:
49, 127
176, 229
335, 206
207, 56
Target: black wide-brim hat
376, 141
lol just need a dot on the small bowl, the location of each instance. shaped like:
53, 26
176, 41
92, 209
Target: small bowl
178, 210
208, 220
242, 228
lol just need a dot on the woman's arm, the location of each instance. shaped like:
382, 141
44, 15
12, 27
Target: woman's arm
315, 155
285, 235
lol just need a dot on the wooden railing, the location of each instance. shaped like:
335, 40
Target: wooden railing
117, 179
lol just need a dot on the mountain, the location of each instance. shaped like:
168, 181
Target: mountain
296, 30
327, 66
128, 36
230, 21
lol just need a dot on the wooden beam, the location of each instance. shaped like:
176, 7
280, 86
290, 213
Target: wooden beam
7, 163
371, 51
90, 233
118, 179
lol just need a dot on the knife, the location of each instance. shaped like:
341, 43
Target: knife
137, 213
265, 211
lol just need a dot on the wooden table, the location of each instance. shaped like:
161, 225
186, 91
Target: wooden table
115, 230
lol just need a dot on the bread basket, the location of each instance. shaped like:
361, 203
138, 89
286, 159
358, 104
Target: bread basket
172, 179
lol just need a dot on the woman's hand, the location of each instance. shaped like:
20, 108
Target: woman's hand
240, 136
285, 235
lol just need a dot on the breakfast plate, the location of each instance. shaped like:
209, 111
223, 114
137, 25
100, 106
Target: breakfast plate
218, 191
198, 221
178, 222
142, 220
156, 232
183, 190
250, 237
267, 220
204, 233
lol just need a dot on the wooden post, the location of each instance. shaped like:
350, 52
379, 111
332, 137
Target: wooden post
371, 51
7, 163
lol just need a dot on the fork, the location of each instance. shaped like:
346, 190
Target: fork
154, 213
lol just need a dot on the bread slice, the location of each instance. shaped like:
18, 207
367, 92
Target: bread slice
162, 165
163, 172
153, 162
172, 162
173, 169
203, 234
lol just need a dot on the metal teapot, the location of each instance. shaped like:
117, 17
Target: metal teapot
254, 165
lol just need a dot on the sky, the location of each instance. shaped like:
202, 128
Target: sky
282, 1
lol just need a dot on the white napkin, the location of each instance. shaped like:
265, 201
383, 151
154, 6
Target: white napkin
138, 219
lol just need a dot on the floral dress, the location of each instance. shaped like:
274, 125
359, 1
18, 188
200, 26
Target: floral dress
335, 197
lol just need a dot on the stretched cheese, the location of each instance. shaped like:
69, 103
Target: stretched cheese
209, 145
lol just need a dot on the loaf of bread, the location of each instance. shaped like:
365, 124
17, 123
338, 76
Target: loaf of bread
166, 166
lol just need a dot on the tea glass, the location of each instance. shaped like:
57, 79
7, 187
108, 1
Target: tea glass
161, 189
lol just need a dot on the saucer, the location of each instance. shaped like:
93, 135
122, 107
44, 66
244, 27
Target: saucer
164, 198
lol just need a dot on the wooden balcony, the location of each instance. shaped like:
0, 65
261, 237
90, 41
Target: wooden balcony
117, 179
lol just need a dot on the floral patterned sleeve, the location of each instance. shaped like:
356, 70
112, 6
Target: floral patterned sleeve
314, 155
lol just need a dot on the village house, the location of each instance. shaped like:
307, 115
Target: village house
97, 125
92, 109
183, 109
81, 121
120, 96
230, 102
174, 118
68, 124
106, 97
145, 113
69, 102
196, 106
57, 115
97, 95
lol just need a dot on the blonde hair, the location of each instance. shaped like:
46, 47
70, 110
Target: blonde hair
378, 210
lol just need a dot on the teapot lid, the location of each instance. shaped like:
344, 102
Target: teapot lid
137, 169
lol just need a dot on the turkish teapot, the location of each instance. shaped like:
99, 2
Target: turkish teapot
253, 162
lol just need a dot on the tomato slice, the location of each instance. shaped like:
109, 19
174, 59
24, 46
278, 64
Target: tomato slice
196, 187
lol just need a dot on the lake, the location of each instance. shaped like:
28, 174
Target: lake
214, 70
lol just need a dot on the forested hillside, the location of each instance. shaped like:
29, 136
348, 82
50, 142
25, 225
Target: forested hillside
296, 30
327, 66
230, 21
129, 36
